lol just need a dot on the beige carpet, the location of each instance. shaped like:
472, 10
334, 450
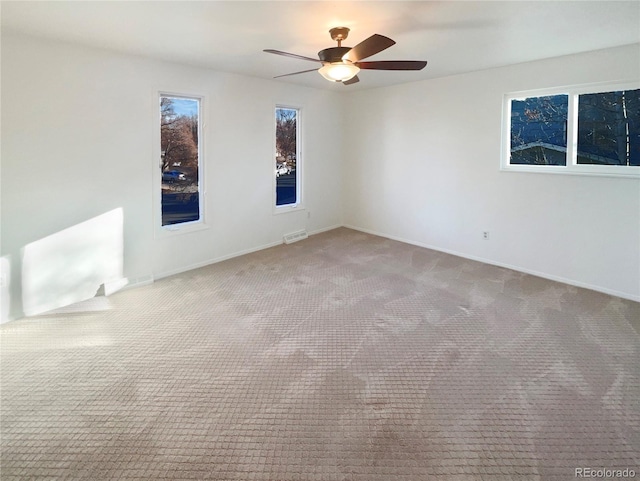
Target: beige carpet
342, 357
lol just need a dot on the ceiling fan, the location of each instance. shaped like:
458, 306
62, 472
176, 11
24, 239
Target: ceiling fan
342, 64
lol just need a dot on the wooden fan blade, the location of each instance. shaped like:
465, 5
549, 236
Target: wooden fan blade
292, 55
296, 73
353, 80
393, 65
368, 47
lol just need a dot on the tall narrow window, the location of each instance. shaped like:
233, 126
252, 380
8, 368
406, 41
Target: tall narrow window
180, 159
287, 161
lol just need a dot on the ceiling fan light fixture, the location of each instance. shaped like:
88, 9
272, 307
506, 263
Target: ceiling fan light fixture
339, 71
342, 64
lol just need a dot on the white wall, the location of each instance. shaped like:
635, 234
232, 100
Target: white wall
423, 166
78, 141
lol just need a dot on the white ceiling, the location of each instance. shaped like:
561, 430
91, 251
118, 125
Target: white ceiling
453, 36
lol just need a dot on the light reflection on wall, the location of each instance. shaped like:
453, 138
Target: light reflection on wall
71, 265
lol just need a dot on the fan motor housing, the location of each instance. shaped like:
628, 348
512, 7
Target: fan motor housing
333, 54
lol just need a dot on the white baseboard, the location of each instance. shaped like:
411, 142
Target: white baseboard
149, 279
114, 285
551, 277
325, 229
237, 254
139, 282
215, 260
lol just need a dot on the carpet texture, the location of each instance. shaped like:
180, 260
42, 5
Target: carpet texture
342, 357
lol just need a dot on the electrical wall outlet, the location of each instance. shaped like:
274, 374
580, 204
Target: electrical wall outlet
485, 234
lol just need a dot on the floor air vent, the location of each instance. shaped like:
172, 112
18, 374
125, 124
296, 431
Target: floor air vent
295, 236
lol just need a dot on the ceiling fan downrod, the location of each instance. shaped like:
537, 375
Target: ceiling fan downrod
339, 34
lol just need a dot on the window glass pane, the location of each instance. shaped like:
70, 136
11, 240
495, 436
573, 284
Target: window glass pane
539, 130
609, 128
179, 119
286, 156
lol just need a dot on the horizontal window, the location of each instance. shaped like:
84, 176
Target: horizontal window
582, 130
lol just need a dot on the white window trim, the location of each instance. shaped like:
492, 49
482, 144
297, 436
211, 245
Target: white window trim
161, 231
572, 167
299, 205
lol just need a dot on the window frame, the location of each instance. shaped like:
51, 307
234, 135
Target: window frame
572, 167
182, 227
299, 204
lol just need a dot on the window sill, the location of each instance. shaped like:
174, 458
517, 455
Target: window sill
284, 209
597, 171
179, 229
